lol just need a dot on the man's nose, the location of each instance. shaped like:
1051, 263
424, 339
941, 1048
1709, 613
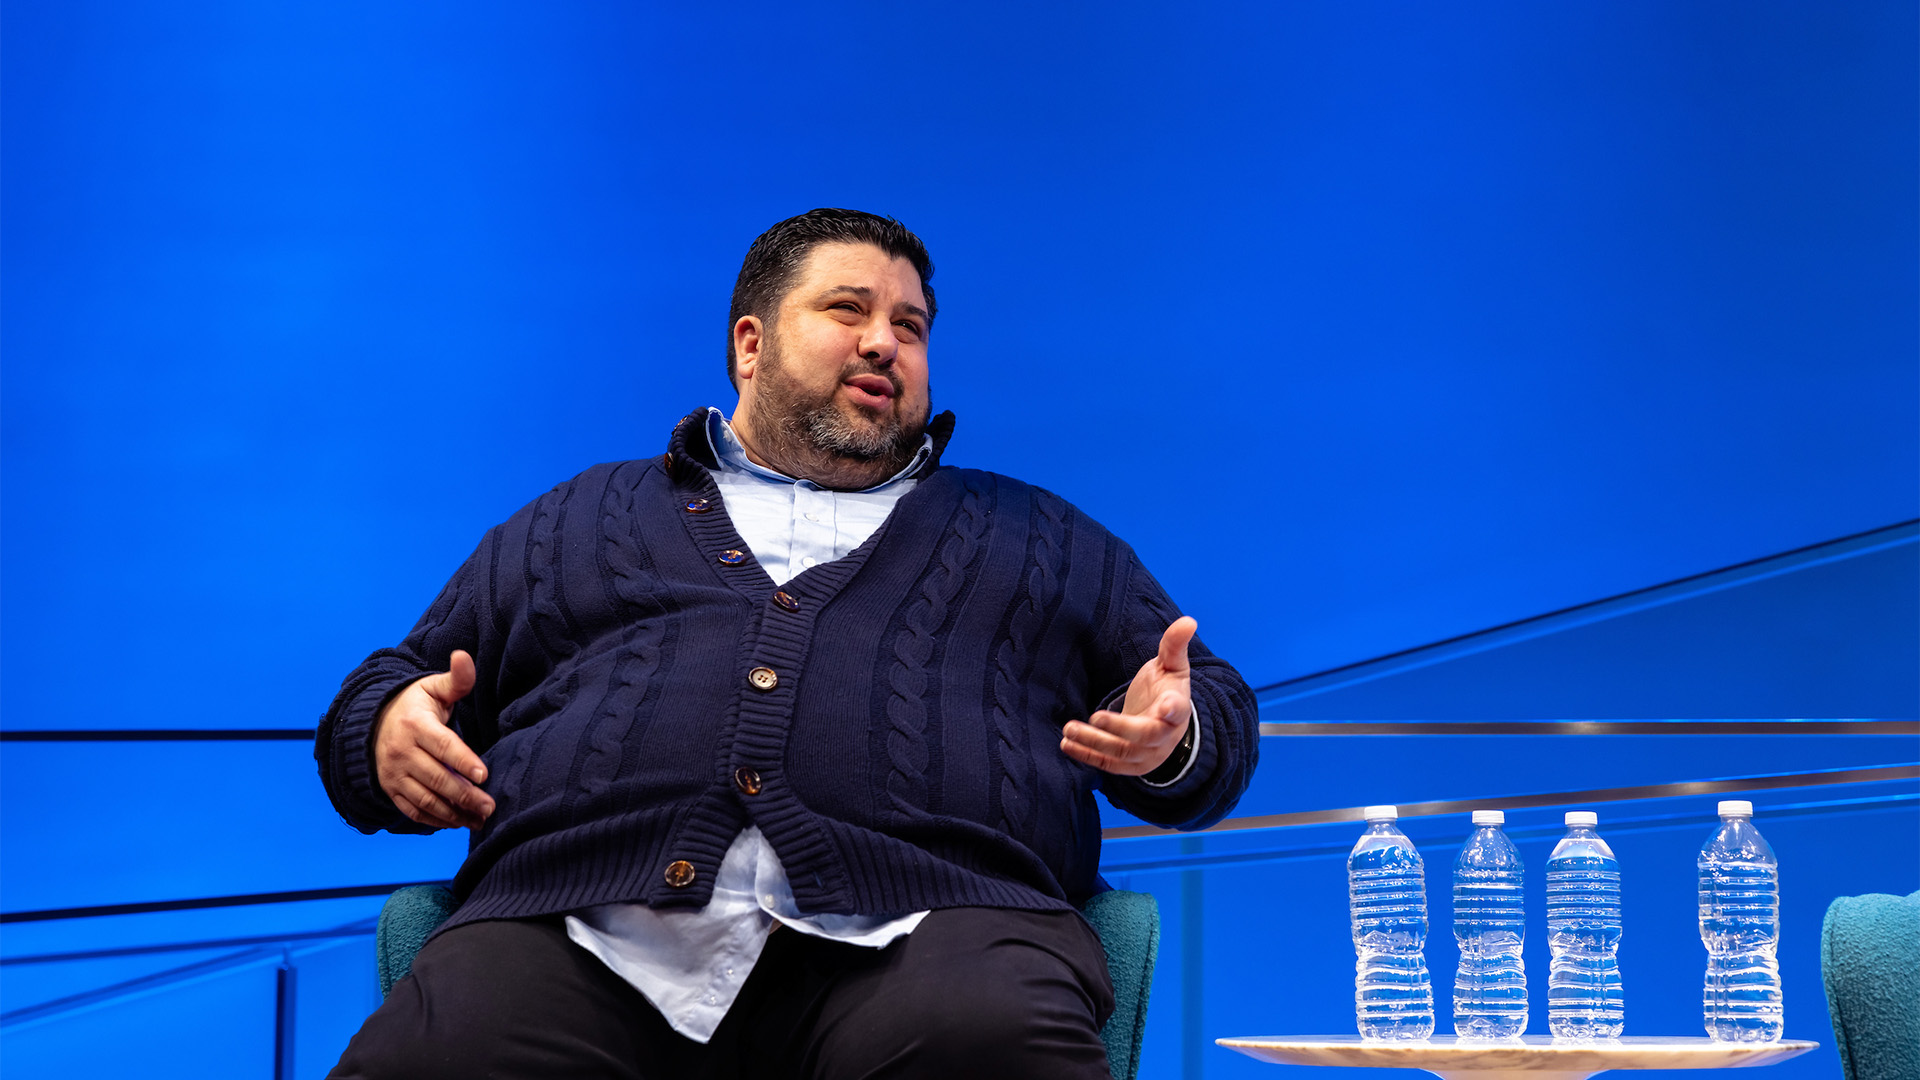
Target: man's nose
879, 343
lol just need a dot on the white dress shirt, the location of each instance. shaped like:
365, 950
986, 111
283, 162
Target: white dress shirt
692, 964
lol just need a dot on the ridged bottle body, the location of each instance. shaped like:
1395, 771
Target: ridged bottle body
1584, 998
1740, 926
1386, 887
1489, 925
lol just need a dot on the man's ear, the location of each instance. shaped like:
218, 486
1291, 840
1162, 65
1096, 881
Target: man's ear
747, 335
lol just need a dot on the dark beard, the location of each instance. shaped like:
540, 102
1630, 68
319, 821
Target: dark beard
813, 438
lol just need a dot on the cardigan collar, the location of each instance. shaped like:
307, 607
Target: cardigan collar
690, 443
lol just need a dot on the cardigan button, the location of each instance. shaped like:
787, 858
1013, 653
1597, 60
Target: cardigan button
746, 780
786, 602
763, 678
667, 462
698, 506
680, 873
732, 557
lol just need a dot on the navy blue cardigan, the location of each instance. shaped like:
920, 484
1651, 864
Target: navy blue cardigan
901, 707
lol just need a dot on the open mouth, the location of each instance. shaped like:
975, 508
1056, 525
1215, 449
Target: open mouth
873, 391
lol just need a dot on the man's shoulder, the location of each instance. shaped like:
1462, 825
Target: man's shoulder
1006, 490
596, 481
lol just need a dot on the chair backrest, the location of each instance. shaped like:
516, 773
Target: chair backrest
1870, 962
407, 920
1129, 927
1128, 924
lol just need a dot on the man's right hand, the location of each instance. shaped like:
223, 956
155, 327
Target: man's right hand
421, 764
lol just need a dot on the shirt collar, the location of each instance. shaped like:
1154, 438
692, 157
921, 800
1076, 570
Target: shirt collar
732, 456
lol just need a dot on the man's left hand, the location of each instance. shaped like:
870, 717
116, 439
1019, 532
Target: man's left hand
1159, 705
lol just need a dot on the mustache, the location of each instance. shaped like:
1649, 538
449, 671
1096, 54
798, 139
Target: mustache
866, 367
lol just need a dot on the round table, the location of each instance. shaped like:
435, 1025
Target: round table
1532, 1057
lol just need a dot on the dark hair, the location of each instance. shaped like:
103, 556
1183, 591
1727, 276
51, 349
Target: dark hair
776, 256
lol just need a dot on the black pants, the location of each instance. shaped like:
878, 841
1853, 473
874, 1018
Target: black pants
972, 992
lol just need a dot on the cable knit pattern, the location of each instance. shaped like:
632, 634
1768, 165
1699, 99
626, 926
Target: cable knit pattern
627, 570
1013, 661
913, 650
886, 719
545, 608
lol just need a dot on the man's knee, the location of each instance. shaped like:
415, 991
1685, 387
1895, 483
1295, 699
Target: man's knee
506, 999
980, 993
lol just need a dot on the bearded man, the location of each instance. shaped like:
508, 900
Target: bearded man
778, 750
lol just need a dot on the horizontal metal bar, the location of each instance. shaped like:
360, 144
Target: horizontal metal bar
147, 907
145, 983
1156, 858
1601, 727
1547, 798
1418, 656
354, 930
162, 735
1413, 727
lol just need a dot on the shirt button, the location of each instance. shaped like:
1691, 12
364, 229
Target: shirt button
746, 780
813, 517
809, 561
733, 557
786, 602
698, 506
680, 873
763, 678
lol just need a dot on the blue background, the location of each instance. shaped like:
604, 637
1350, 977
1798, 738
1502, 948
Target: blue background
1368, 325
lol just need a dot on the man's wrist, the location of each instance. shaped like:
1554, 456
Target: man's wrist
1171, 770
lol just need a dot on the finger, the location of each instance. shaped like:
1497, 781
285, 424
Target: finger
1150, 724
1089, 757
453, 684
1109, 744
421, 816
422, 805
450, 750
1173, 644
460, 673
467, 800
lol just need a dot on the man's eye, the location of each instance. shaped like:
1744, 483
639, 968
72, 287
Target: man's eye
910, 327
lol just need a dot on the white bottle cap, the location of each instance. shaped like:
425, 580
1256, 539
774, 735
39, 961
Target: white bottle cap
1489, 817
1582, 817
1381, 813
1736, 808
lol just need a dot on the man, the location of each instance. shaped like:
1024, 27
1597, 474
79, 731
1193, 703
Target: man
794, 675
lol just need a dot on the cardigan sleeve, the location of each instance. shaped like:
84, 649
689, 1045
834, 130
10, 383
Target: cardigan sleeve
1228, 739
343, 742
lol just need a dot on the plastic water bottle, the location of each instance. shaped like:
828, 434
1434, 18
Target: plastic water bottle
1740, 925
1583, 931
1489, 924
1387, 887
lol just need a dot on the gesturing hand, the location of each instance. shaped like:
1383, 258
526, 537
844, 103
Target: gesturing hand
1158, 706
421, 764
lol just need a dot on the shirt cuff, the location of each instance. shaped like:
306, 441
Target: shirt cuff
1180, 762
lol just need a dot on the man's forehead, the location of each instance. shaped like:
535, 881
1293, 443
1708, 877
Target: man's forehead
849, 266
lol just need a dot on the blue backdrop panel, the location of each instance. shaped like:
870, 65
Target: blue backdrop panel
1367, 327
1477, 314
184, 841
1840, 638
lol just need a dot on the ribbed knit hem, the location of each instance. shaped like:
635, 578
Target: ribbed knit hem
625, 860
367, 806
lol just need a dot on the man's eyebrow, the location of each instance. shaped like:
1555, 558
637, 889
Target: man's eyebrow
865, 293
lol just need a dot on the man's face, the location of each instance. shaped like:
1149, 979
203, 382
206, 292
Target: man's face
843, 367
